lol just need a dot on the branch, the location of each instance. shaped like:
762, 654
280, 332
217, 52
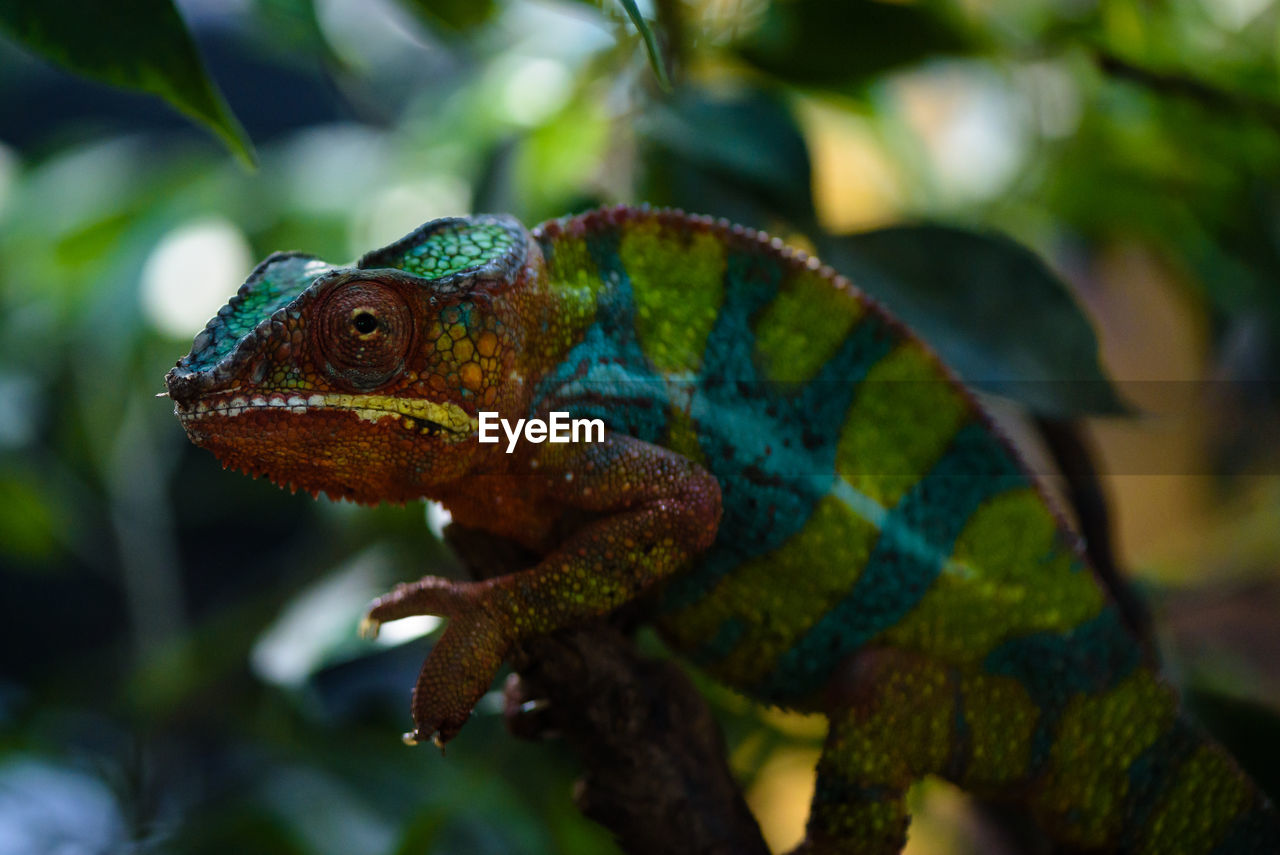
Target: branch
654, 766
1066, 443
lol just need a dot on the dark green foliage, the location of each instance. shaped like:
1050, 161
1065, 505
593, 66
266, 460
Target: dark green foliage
142, 44
651, 45
840, 45
457, 15
1035, 345
738, 154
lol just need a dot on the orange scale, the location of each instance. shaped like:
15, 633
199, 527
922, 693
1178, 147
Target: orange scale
471, 376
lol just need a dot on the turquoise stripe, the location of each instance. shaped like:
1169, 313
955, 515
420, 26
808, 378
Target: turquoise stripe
916, 541
1055, 666
1153, 773
773, 450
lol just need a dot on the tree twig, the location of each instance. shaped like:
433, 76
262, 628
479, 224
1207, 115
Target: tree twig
1073, 458
1189, 88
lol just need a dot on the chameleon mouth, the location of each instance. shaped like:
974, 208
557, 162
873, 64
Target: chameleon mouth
428, 418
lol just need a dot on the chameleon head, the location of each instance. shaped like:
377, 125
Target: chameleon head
363, 381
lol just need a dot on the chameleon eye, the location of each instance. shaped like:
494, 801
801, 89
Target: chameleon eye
364, 333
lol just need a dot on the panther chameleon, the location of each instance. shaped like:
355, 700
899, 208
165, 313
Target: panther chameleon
806, 502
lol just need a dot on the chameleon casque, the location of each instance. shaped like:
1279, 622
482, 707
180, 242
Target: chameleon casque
809, 505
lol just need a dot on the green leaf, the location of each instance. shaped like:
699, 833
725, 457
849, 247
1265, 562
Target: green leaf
453, 15
141, 44
991, 309
29, 523
838, 45
650, 43
738, 154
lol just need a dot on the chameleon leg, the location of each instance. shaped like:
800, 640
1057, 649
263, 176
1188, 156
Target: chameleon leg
1127, 771
651, 512
892, 724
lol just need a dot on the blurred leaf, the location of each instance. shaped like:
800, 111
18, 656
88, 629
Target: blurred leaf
245, 827
838, 45
739, 155
294, 22
421, 834
651, 45
555, 164
455, 15
144, 46
991, 309
27, 524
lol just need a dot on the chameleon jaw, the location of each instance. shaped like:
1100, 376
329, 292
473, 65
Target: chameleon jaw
445, 420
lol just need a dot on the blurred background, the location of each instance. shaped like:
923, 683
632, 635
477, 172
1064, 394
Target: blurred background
179, 669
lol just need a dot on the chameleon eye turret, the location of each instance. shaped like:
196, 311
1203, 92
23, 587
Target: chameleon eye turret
368, 331
810, 506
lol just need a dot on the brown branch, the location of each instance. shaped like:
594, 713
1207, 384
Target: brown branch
654, 766
1070, 451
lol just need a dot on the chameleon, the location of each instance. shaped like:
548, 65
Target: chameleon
802, 499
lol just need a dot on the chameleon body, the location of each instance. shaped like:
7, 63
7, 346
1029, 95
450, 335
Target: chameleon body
808, 504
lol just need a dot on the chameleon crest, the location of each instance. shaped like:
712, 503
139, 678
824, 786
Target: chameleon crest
806, 502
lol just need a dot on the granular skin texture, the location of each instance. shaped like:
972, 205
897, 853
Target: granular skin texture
807, 504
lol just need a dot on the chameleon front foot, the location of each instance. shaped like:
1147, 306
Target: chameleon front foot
463, 661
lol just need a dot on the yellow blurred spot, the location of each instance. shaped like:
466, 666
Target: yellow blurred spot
855, 184
942, 822
781, 795
799, 725
1153, 340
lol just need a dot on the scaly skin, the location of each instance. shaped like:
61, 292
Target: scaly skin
810, 506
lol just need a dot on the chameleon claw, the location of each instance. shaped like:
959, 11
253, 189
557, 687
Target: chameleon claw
414, 737
369, 630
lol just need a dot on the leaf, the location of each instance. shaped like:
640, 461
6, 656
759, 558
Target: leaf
739, 155
650, 43
838, 45
453, 15
991, 309
29, 524
142, 44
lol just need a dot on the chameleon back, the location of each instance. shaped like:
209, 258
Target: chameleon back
866, 498
883, 556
